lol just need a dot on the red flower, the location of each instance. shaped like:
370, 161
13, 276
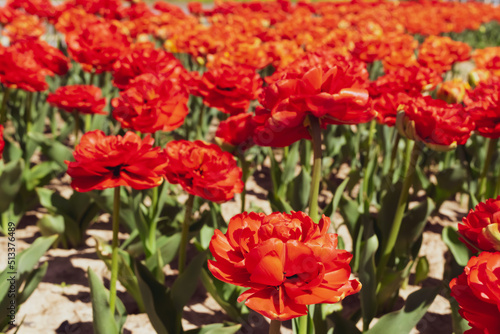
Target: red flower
24, 27
396, 87
21, 70
481, 227
477, 291
331, 96
49, 57
103, 162
144, 58
97, 46
203, 170
438, 125
151, 104
229, 88
439, 53
483, 105
40, 8
237, 130
85, 99
286, 260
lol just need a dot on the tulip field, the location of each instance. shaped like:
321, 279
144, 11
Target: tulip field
249, 167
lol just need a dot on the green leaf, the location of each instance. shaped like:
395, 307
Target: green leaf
53, 149
414, 222
457, 248
185, 285
28, 258
342, 325
331, 208
10, 182
218, 295
367, 274
104, 321
26, 262
460, 325
299, 190
422, 270
126, 275
215, 329
168, 246
32, 281
404, 320
41, 174
290, 164
157, 302
50, 225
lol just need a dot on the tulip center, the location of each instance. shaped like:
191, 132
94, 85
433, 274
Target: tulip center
116, 170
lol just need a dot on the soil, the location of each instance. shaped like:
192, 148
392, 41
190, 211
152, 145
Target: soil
61, 303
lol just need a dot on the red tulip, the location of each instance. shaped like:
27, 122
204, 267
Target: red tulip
477, 291
483, 105
438, 125
237, 130
144, 58
21, 70
203, 170
151, 104
481, 227
103, 162
229, 88
332, 96
97, 46
85, 99
286, 260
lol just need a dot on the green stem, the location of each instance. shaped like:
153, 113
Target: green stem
275, 326
76, 114
316, 173
114, 246
303, 322
91, 79
185, 233
400, 210
492, 146
497, 187
154, 222
27, 111
245, 168
365, 167
394, 152
3, 111
88, 122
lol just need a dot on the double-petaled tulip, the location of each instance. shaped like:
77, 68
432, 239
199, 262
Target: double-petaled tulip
439, 125
21, 70
286, 260
481, 227
49, 57
151, 104
483, 105
237, 130
477, 291
97, 46
144, 58
103, 162
203, 170
229, 88
85, 99
332, 96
